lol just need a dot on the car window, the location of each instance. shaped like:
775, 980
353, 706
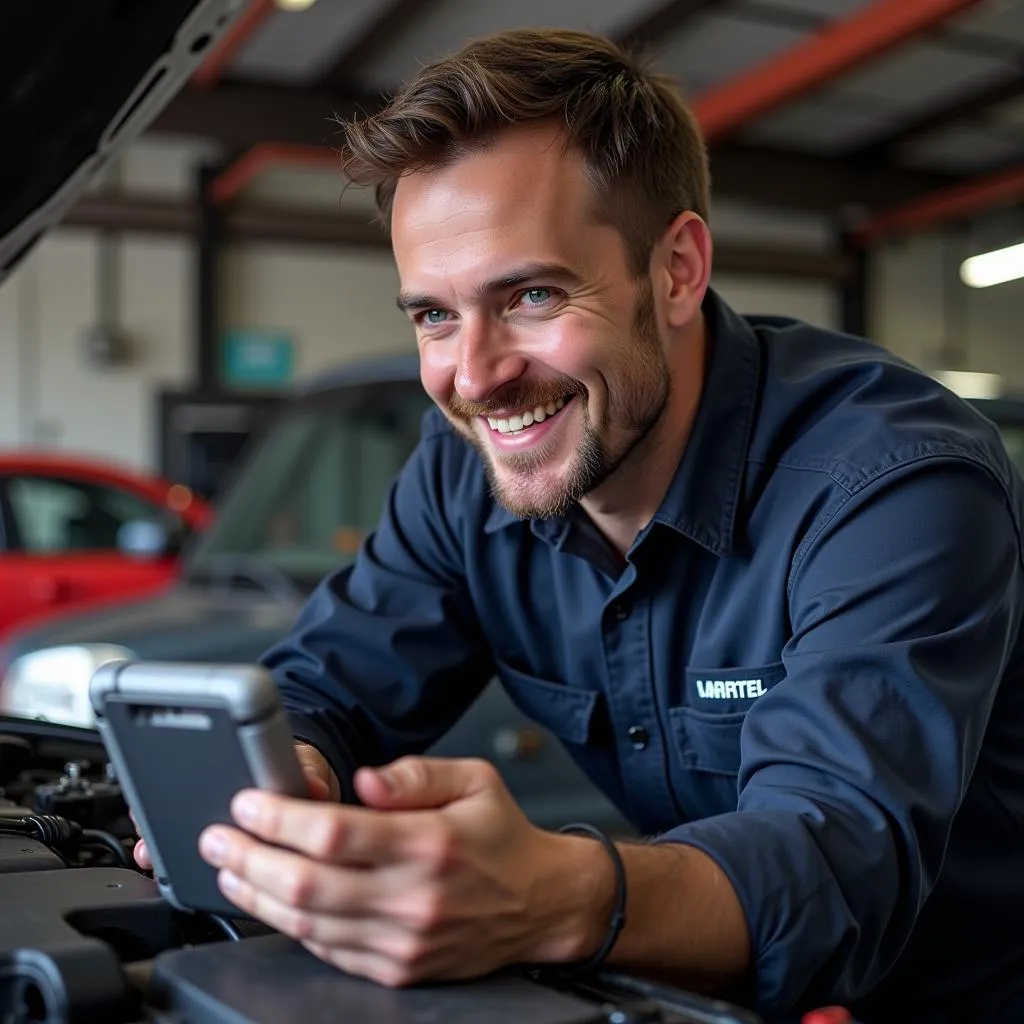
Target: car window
54, 514
316, 485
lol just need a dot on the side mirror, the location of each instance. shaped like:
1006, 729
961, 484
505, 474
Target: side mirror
143, 539
52, 683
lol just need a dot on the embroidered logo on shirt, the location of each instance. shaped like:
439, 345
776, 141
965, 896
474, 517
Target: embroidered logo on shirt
731, 689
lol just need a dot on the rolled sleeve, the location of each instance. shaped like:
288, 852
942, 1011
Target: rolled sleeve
903, 608
388, 652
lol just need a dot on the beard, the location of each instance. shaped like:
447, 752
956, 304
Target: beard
637, 395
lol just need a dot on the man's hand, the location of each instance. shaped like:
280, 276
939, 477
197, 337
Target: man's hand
322, 782
140, 852
439, 876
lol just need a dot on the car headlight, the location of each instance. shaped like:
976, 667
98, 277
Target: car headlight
52, 684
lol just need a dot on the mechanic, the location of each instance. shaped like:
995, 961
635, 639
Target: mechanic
762, 579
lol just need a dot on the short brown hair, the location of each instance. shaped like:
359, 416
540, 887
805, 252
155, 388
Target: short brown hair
641, 143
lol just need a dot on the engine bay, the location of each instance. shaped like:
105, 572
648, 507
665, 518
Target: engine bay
86, 936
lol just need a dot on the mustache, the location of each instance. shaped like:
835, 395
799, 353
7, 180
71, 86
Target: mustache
517, 396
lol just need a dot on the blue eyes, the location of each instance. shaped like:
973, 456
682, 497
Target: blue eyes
530, 298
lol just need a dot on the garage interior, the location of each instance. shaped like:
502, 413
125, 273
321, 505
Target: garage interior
867, 162
860, 153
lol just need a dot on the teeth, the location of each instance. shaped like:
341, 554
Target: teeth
514, 424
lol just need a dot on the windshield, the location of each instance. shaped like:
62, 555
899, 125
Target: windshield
316, 485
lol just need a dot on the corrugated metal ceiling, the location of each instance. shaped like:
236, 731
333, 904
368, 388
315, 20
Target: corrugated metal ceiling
973, 51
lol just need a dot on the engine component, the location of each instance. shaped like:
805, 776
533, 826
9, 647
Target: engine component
64, 936
92, 804
22, 853
273, 979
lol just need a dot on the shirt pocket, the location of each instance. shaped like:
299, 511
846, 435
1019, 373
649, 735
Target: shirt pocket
566, 712
707, 730
708, 742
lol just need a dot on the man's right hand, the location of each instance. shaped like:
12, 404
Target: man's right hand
322, 782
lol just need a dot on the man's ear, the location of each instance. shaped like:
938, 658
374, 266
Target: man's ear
681, 261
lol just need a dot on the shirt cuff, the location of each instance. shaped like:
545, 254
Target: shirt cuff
796, 915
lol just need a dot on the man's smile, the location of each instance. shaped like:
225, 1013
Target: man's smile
524, 419
526, 428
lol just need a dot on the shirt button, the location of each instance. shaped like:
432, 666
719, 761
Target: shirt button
638, 737
621, 610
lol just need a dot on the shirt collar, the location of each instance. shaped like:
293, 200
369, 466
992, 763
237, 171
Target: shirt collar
703, 497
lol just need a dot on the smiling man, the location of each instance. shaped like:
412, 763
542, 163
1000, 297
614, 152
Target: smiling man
539, 341
763, 580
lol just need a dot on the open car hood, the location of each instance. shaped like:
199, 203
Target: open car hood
78, 82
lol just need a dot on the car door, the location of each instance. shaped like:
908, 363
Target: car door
62, 546
11, 583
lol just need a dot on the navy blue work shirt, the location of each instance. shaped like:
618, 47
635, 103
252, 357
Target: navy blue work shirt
818, 632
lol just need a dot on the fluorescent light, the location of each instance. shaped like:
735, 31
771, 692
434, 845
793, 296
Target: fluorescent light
294, 5
970, 385
995, 267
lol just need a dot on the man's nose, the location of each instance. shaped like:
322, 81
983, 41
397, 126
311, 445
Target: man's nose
487, 360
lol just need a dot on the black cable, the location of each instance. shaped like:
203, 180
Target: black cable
97, 838
226, 926
53, 832
47, 828
60, 834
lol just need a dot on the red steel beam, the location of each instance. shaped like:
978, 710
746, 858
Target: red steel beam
954, 203
255, 161
836, 49
209, 72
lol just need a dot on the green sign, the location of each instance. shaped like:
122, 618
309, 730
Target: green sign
257, 358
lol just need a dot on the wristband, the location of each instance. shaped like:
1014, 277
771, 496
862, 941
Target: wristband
618, 920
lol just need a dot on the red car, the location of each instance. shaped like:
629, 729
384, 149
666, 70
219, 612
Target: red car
74, 532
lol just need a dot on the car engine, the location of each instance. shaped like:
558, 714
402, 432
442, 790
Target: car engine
85, 936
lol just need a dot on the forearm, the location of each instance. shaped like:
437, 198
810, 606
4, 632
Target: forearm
684, 922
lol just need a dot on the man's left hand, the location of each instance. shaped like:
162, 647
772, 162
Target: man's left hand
439, 876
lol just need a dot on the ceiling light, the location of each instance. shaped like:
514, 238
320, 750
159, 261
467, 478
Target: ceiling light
995, 267
294, 5
968, 384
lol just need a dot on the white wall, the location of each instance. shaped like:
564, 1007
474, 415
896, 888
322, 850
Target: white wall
58, 399
11, 344
339, 305
814, 301
919, 305
817, 302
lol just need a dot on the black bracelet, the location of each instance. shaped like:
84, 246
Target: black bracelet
618, 921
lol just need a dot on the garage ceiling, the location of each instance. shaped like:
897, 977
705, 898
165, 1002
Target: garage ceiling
944, 105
